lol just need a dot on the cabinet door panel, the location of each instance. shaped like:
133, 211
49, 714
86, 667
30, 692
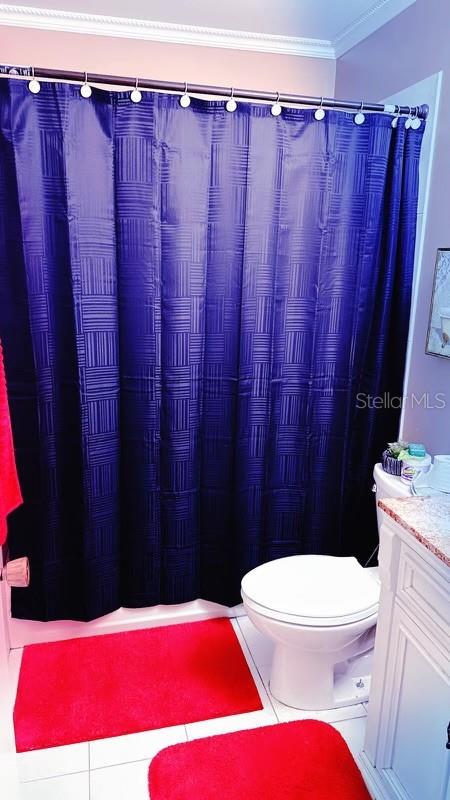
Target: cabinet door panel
420, 713
424, 594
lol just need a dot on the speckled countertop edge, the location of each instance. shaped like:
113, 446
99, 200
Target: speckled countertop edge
426, 518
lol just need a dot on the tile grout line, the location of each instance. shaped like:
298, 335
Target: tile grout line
66, 772
269, 694
124, 763
89, 771
53, 777
257, 669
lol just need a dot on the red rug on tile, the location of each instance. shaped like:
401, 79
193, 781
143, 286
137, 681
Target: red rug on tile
109, 685
307, 760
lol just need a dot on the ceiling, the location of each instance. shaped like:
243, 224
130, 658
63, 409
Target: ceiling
328, 25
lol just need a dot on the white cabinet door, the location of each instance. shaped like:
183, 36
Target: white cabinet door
414, 760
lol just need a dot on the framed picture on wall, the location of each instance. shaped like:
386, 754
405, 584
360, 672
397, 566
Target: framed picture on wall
438, 340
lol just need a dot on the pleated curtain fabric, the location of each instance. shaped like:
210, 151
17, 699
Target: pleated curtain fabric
192, 303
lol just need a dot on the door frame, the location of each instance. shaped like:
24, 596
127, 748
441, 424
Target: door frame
10, 786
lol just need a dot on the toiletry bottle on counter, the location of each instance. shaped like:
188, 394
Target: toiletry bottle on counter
414, 461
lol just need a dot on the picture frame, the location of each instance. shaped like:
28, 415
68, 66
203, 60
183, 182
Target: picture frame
438, 337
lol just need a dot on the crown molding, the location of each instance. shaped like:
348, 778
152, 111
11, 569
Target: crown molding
100, 25
123, 27
362, 27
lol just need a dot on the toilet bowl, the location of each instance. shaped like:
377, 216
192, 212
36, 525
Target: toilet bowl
320, 612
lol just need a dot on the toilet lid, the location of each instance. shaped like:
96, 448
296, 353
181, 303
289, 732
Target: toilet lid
313, 590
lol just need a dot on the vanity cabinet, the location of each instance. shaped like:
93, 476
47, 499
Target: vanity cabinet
406, 755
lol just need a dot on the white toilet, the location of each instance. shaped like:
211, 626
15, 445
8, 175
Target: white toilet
321, 613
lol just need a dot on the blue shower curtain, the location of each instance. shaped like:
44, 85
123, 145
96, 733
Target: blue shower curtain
192, 304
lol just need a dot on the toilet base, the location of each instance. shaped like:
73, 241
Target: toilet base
301, 680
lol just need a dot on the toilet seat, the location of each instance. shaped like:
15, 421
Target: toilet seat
312, 590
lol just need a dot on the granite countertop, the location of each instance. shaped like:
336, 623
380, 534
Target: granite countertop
426, 518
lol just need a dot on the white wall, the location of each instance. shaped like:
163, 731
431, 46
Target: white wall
410, 48
163, 61
426, 91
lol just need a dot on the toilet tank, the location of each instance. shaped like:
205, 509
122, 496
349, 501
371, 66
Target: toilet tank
387, 486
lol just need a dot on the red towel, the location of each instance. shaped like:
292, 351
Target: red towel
10, 496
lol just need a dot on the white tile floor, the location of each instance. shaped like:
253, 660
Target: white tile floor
117, 768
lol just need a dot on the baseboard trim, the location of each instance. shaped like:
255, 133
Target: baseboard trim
372, 778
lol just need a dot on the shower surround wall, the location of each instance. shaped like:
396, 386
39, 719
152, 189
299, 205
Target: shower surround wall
411, 47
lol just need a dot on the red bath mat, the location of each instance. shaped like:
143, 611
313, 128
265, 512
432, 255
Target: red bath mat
307, 760
101, 686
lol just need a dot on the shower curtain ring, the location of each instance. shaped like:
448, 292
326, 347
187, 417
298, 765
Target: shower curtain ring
359, 116
136, 95
276, 108
34, 85
85, 89
185, 100
408, 122
319, 112
394, 122
415, 122
231, 104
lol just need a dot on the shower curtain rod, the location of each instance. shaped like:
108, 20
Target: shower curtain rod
219, 91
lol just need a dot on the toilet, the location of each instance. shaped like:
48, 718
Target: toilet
321, 613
